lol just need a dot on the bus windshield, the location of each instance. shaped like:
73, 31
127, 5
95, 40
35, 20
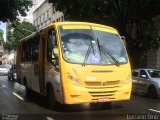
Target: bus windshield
85, 46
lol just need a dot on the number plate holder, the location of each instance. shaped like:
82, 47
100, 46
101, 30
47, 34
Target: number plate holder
103, 99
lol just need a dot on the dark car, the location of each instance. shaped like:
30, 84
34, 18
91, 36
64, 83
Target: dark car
12, 74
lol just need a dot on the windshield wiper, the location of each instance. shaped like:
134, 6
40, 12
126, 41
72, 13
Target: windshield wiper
108, 53
87, 53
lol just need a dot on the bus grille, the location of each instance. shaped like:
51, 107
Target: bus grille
102, 94
102, 84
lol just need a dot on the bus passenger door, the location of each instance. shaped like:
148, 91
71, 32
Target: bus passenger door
52, 74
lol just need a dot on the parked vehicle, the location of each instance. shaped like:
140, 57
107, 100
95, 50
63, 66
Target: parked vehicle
8, 66
146, 81
3, 70
12, 74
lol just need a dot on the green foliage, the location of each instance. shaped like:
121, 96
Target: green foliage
1, 37
10, 9
132, 18
17, 31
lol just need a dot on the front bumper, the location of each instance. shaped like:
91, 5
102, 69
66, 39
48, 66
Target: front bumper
76, 94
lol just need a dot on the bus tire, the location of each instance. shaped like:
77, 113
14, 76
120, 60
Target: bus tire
51, 97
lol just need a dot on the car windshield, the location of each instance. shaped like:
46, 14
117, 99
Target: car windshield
80, 46
154, 73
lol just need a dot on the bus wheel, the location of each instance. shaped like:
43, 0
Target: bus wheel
51, 97
152, 92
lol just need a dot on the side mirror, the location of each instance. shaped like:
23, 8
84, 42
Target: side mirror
55, 51
143, 76
55, 58
124, 40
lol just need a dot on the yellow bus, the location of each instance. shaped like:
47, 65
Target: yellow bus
75, 62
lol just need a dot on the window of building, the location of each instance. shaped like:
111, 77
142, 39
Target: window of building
41, 18
44, 17
48, 14
38, 20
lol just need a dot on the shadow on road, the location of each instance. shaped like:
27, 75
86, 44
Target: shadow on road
42, 101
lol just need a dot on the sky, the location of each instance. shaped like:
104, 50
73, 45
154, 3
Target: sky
29, 16
3, 27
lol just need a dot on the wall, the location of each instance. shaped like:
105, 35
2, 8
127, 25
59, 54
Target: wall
153, 59
45, 14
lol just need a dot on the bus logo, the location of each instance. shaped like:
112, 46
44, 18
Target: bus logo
103, 83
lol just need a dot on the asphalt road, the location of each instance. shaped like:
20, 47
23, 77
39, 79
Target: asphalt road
14, 106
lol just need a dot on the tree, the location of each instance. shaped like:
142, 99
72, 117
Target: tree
1, 37
17, 31
10, 9
132, 18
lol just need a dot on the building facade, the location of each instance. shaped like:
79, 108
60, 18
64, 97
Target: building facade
153, 56
46, 14
153, 59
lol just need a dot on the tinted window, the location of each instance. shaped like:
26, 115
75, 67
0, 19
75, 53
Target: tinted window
30, 49
154, 73
142, 72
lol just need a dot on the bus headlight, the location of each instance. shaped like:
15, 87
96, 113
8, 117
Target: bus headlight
128, 80
73, 80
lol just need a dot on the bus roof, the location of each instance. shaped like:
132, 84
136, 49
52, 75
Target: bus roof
71, 23
81, 23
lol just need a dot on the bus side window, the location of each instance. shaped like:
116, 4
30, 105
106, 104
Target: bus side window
50, 44
52, 50
35, 48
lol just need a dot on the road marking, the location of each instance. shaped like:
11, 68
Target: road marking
49, 118
18, 96
154, 110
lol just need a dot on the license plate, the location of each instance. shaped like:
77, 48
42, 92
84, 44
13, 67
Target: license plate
103, 99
